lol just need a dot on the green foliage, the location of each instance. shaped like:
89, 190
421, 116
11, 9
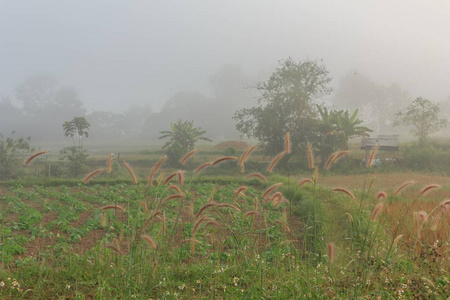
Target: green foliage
336, 127
76, 158
286, 105
78, 126
12, 152
423, 116
183, 137
425, 159
76, 155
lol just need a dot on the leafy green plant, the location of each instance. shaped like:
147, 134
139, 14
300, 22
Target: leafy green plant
182, 138
76, 155
12, 152
336, 128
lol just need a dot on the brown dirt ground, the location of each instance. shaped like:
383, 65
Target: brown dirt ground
237, 145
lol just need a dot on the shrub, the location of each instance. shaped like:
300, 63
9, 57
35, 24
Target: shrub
12, 152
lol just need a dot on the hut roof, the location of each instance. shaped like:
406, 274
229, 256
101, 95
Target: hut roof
385, 142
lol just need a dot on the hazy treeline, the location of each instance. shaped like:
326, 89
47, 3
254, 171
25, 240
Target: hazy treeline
40, 105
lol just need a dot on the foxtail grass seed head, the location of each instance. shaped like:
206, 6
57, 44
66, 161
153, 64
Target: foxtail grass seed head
34, 156
202, 166
127, 166
287, 143
401, 187
250, 213
445, 205
239, 193
429, 187
331, 251
160, 178
109, 164
372, 156
170, 178
376, 211
212, 223
422, 216
245, 156
345, 191
180, 177
316, 175
227, 205
310, 155
271, 188
113, 207
330, 160
203, 208
174, 196
176, 188
144, 206
397, 239
302, 182
187, 156
257, 175
219, 160
276, 197
149, 240
103, 219
350, 218
163, 221
92, 175
335, 157
155, 169
114, 247
197, 224
340, 154
275, 161
436, 220
381, 195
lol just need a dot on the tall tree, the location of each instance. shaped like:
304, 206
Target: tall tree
35, 92
423, 116
76, 155
286, 104
77, 126
377, 103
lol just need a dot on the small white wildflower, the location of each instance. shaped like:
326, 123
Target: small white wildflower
2, 284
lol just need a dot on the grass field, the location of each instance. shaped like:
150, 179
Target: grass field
206, 236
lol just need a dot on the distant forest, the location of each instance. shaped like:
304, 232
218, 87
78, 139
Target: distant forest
39, 107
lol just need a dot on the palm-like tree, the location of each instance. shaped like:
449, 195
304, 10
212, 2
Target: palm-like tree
336, 128
183, 137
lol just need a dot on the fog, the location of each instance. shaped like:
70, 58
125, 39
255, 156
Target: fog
118, 55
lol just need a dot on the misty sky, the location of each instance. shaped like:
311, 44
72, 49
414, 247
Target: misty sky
119, 53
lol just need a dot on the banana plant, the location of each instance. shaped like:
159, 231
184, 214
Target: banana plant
182, 138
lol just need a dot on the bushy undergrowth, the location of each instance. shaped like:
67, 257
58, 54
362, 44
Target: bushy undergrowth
430, 159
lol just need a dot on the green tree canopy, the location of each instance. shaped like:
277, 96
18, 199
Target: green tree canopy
286, 104
77, 126
423, 116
